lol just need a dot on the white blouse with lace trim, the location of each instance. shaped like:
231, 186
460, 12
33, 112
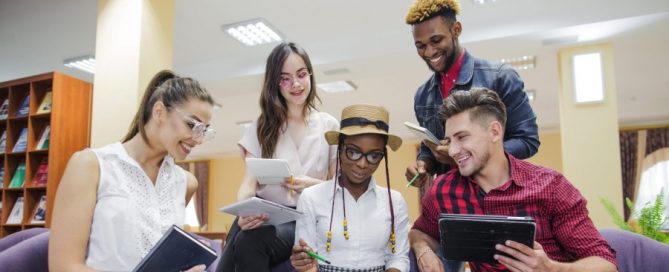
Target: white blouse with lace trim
132, 213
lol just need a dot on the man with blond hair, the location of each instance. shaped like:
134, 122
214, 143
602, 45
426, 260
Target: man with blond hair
436, 32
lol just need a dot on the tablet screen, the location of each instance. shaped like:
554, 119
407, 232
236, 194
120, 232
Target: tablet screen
473, 237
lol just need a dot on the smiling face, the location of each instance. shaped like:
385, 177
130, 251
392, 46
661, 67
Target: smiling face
295, 81
176, 127
436, 42
355, 155
471, 143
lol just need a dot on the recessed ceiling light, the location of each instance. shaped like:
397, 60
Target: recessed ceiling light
336, 86
253, 32
338, 71
520, 63
244, 124
481, 2
84, 63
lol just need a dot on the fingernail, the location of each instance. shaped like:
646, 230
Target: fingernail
498, 246
496, 256
507, 242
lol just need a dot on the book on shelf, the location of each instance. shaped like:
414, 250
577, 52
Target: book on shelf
43, 142
4, 109
24, 108
2, 174
176, 251
45, 106
22, 142
19, 176
3, 142
39, 215
16, 216
40, 177
0, 207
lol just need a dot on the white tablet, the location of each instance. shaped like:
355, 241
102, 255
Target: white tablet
268, 171
278, 214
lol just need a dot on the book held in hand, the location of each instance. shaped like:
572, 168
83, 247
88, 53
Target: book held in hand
22, 142
176, 251
16, 215
39, 215
269, 171
45, 106
278, 214
422, 133
24, 108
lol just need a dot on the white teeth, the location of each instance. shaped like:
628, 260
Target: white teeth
434, 60
187, 147
461, 160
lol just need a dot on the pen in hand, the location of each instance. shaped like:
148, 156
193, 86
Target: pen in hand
291, 181
317, 257
413, 179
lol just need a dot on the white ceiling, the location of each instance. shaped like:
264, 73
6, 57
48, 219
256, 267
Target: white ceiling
371, 40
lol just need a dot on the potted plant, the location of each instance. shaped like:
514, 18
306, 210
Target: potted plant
647, 222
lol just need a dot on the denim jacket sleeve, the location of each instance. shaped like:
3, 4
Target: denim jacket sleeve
521, 137
427, 102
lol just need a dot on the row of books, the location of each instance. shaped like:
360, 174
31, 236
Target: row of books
24, 108
22, 143
19, 177
38, 215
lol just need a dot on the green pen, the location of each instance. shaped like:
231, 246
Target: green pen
413, 179
315, 256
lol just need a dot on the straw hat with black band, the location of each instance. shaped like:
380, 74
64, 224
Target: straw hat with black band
357, 120
364, 119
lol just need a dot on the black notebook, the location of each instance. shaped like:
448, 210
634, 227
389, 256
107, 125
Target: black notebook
466, 237
176, 251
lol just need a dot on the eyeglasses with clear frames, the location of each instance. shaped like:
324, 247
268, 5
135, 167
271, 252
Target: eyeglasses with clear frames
288, 80
198, 129
373, 157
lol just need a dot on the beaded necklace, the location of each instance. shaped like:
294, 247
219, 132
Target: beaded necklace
391, 239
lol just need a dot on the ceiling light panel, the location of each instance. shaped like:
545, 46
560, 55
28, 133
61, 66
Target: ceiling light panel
253, 32
83, 63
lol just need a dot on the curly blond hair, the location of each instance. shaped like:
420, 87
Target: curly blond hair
422, 10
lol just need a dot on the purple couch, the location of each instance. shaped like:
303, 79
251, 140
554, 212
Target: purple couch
635, 252
27, 250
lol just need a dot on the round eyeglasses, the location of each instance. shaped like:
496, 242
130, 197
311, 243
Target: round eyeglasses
373, 157
198, 129
288, 80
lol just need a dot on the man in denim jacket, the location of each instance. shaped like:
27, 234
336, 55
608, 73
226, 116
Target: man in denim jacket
436, 31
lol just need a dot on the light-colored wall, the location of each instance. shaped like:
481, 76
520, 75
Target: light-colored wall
133, 42
550, 151
589, 134
226, 174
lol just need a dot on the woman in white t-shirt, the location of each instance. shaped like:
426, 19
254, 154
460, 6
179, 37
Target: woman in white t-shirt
115, 202
289, 127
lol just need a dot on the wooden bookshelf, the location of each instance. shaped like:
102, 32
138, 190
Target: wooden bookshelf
70, 124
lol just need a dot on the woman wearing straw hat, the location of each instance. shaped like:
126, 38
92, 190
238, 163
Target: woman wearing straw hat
350, 222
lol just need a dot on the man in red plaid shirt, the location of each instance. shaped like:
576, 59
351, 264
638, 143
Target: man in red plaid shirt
489, 181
